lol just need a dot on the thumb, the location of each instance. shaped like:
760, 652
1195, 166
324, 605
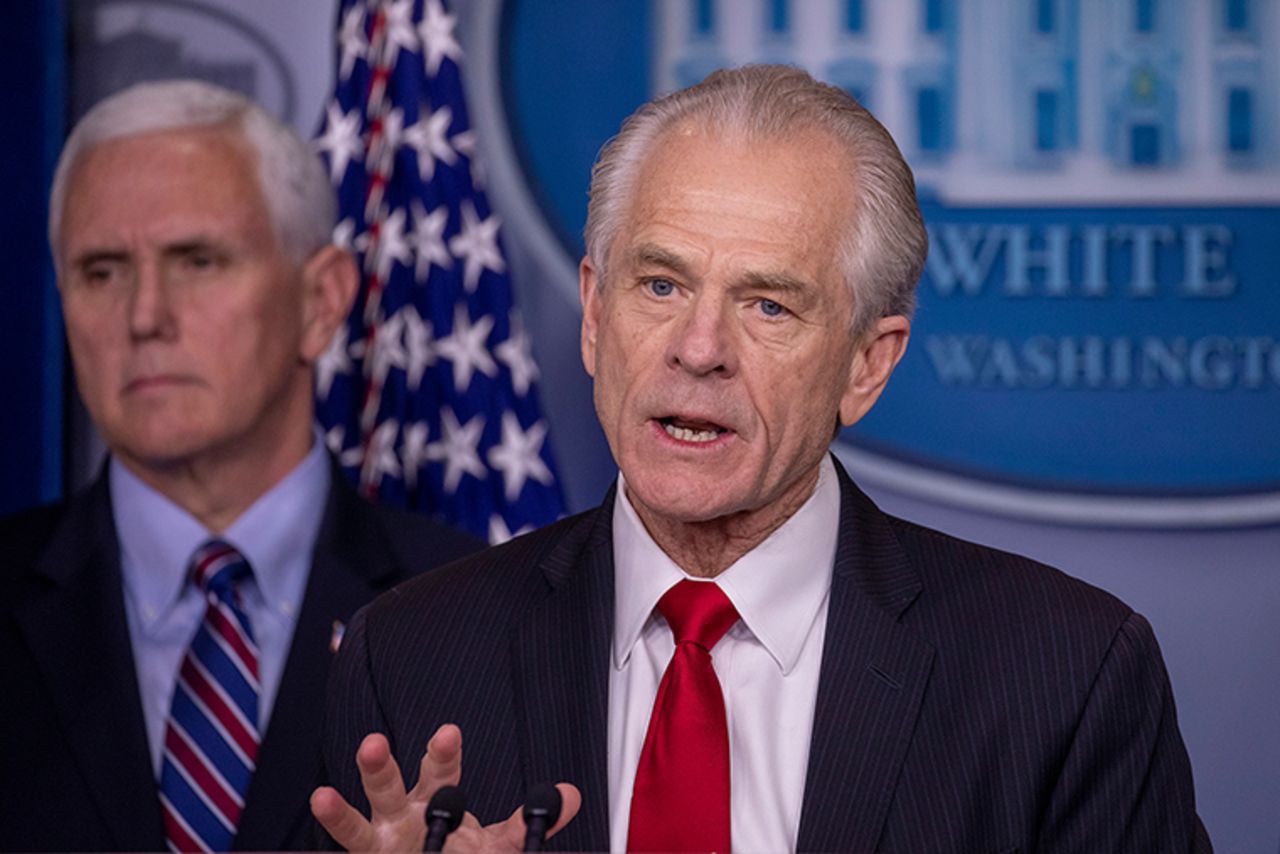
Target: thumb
513, 829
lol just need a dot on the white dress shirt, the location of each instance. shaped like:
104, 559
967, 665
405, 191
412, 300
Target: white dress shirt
276, 535
767, 664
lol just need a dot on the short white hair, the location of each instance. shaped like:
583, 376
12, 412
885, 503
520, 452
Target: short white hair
291, 177
884, 253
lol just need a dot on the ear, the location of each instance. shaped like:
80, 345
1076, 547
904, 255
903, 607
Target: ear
329, 283
589, 293
875, 356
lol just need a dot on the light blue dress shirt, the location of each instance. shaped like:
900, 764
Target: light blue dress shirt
277, 535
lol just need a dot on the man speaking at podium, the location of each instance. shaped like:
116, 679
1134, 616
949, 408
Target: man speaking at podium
738, 650
165, 638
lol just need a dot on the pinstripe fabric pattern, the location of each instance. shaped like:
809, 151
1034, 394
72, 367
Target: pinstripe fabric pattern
511, 645
970, 700
211, 737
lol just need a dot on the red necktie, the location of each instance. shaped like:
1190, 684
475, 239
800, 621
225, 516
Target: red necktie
681, 797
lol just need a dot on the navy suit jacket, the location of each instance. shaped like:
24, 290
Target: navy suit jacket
970, 700
75, 769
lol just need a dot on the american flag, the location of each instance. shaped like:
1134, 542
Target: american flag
427, 394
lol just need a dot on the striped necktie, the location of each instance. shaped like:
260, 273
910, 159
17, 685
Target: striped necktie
211, 737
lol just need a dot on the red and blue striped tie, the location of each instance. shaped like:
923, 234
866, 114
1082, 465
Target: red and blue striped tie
211, 738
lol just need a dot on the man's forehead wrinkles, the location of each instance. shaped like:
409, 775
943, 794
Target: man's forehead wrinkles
725, 190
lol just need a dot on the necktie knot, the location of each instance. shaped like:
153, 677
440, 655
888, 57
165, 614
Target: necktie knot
698, 612
216, 567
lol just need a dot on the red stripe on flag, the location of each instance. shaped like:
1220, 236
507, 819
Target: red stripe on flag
221, 710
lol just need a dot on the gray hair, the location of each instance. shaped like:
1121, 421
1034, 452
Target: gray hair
292, 178
886, 245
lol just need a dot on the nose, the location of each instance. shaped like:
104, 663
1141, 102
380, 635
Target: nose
150, 309
703, 342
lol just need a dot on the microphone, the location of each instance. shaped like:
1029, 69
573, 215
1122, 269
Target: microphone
443, 816
541, 811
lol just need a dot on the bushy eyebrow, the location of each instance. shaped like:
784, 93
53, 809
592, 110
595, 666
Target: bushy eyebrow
653, 255
176, 249
87, 259
182, 248
781, 283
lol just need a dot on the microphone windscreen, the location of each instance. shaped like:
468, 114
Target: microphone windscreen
543, 801
448, 803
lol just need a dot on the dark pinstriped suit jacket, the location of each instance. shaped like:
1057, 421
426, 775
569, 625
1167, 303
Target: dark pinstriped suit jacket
970, 700
75, 771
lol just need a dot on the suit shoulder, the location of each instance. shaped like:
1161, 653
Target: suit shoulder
506, 572
1000, 584
25, 535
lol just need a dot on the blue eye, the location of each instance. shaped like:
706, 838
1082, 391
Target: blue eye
771, 308
661, 287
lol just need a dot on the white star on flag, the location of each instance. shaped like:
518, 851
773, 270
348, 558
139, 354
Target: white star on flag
438, 42
341, 140
352, 41
388, 349
399, 30
465, 144
419, 354
477, 245
465, 347
334, 439
499, 533
333, 361
516, 355
457, 448
428, 240
430, 138
345, 237
392, 245
413, 451
381, 459
517, 457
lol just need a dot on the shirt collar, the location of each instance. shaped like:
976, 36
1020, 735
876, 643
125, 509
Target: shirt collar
778, 587
276, 534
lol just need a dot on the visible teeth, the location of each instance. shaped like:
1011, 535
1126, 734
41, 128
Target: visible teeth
684, 434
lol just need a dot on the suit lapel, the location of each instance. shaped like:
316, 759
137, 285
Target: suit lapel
561, 655
95, 696
874, 672
352, 563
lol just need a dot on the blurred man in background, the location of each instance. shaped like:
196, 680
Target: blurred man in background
166, 636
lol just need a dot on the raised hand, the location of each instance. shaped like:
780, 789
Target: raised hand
396, 821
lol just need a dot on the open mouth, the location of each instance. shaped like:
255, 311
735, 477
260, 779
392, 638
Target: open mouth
685, 430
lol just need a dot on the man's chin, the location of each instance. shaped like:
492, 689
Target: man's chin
159, 453
686, 501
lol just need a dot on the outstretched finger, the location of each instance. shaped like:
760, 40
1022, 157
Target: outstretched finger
341, 820
380, 776
441, 764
